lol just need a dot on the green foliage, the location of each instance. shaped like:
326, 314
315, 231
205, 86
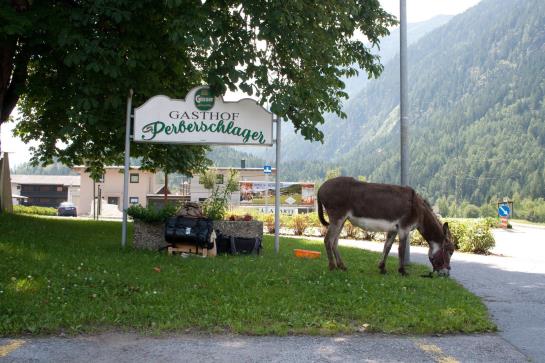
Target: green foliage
299, 223
152, 214
333, 173
42, 211
85, 282
216, 205
477, 131
469, 235
76, 62
477, 239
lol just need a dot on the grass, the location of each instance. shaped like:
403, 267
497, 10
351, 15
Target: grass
72, 276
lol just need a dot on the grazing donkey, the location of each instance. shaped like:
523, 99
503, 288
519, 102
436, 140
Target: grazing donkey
382, 208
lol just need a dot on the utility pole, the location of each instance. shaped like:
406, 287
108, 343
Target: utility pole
403, 104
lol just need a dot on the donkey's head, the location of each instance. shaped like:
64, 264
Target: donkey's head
440, 253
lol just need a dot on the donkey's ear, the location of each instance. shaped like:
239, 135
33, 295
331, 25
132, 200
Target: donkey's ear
446, 230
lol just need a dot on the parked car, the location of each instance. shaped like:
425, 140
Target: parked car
67, 209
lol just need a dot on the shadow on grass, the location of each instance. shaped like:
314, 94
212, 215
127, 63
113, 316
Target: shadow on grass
86, 281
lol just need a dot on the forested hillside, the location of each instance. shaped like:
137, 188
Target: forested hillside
477, 96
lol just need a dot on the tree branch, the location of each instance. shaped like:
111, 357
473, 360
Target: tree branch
17, 83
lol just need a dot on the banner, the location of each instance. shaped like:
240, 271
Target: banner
291, 194
201, 118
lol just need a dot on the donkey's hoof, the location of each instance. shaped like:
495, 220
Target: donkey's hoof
332, 267
342, 267
403, 272
383, 271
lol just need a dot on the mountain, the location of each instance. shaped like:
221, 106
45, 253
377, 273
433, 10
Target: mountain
389, 46
477, 105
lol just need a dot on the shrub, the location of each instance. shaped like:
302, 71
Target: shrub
42, 211
299, 222
417, 239
467, 235
151, 214
268, 221
216, 205
351, 230
314, 221
478, 239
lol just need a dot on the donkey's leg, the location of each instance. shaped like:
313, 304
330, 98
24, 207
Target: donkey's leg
403, 235
331, 236
340, 263
390, 237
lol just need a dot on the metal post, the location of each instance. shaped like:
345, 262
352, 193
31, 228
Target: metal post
403, 105
126, 170
277, 189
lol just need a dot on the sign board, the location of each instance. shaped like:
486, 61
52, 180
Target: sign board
267, 169
291, 194
201, 118
504, 210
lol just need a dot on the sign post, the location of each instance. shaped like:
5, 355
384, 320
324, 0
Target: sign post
267, 170
503, 212
199, 119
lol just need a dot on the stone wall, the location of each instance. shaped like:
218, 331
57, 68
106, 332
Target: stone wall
244, 229
149, 236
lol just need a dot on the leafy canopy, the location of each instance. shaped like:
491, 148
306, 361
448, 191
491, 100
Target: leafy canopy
76, 61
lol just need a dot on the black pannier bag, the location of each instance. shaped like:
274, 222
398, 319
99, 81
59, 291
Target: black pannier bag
194, 231
238, 245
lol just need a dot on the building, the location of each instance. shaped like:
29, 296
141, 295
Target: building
110, 190
45, 190
144, 190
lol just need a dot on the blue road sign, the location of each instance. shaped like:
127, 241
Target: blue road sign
504, 210
267, 169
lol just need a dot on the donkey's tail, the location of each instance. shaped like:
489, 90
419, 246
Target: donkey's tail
321, 213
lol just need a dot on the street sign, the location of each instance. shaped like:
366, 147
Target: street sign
504, 210
267, 169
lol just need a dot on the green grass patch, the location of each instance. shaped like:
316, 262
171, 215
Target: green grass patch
72, 276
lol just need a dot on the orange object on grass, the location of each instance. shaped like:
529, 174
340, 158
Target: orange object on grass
306, 253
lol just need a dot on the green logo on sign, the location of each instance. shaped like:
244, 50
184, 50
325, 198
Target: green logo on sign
204, 100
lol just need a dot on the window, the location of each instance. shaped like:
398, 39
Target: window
202, 199
135, 178
133, 200
114, 200
219, 178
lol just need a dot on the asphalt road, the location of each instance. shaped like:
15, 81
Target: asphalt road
511, 283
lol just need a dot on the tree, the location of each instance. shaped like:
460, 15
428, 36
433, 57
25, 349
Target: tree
69, 64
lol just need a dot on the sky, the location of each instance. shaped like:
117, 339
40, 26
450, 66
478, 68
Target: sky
417, 11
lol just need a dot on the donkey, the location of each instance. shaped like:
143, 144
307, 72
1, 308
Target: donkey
393, 209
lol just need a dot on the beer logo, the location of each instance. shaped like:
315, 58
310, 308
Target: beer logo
204, 100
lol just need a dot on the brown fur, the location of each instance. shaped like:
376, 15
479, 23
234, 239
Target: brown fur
343, 197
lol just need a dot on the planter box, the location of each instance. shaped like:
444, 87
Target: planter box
244, 229
149, 236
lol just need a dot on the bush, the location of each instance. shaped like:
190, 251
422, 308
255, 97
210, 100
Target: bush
151, 214
467, 235
42, 211
417, 239
351, 230
314, 221
268, 221
478, 239
299, 222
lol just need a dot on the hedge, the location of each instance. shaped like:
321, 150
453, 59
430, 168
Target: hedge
42, 211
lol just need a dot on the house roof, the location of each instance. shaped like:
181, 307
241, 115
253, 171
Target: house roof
67, 180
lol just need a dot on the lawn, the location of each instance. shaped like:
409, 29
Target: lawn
72, 276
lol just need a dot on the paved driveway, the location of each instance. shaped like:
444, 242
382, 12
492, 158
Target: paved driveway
511, 283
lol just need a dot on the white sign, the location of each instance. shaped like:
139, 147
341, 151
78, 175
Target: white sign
202, 119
